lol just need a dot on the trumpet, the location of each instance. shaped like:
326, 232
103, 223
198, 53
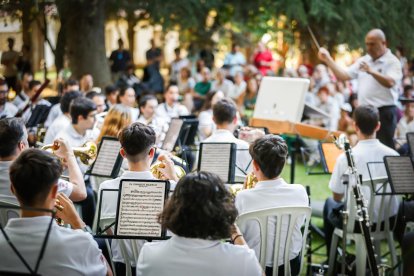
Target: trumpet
249, 183
86, 153
156, 172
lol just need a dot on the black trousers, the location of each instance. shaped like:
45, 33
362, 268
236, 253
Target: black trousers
294, 267
88, 205
388, 119
120, 269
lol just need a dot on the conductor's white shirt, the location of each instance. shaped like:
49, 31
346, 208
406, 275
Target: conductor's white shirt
180, 256
268, 194
243, 158
370, 91
68, 252
364, 152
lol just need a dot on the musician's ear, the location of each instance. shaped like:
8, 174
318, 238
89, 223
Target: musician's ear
235, 120
12, 189
151, 153
256, 167
378, 126
122, 152
53, 192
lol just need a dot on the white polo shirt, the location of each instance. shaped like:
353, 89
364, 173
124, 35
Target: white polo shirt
5, 192
243, 158
205, 122
268, 194
180, 256
370, 91
68, 252
54, 113
8, 110
57, 125
365, 151
167, 112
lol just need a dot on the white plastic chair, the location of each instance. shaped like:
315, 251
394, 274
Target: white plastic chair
380, 233
292, 215
6, 213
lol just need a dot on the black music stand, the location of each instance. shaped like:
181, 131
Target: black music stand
218, 158
410, 142
400, 173
135, 210
108, 160
32, 271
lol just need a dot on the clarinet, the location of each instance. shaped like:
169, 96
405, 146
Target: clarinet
363, 217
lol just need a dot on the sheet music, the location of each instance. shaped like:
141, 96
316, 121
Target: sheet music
215, 158
401, 174
331, 154
107, 156
139, 206
172, 134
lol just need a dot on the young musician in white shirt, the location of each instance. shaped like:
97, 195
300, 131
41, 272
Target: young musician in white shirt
13, 141
137, 141
171, 108
225, 118
34, 176
201, 214
147, 107
269, 157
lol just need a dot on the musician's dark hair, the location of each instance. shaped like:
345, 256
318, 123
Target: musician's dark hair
270, 154
81, 106
144, 99
137, 140
224, 111
366, 118
67, 98
33, 174
71, 82
110, 89
92, 94
122, 92
11, 134
34, 83
200, 207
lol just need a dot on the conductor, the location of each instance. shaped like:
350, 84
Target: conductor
379, 76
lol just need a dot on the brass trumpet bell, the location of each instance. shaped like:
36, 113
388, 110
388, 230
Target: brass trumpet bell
155, 170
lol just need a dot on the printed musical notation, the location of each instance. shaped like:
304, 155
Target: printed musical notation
106, 159
216, 158
401, 174
140, 204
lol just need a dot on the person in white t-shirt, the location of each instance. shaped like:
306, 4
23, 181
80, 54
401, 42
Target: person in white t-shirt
34, 176
206, 125
7, 110
171, 108
368, 149
269, 157
127, 98
64, 119
13, 141
225, 117
137, 141
147, 107
201, 214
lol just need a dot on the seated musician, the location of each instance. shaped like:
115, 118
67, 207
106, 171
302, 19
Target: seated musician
63, 120
82, 112
225, 118
368, 149
34, 176
171, 108
269, 157
137, 141
13, 141
147, 107
200, 213
7, 109
39, 103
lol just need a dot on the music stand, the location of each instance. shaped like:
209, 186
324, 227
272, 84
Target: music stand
32, 271
139, 204
171, 137
108, 160
400, 173
410, 142
329, 154
218, 158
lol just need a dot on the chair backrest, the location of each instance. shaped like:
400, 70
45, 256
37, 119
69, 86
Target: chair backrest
292, 215
6, 213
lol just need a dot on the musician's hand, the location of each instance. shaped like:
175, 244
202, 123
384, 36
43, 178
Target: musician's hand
67, 212
168, 170
324, 55
364, 67
64, 150
250, 134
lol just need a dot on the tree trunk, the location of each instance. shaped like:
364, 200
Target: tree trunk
85, 39
132, 21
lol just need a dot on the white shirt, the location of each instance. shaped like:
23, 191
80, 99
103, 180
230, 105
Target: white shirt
58, 124
134, 113
237, 90
20, 100
370, 91
243, 158
167, 112
365, 151
226, 87
5, 192
180, 256
108, 210
402, 128
68, 252
235, 60
54, 113
8, 110
159, 125
268, 194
